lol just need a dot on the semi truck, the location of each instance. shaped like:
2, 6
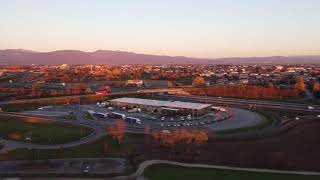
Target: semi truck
117, 115
133, 120
99, 115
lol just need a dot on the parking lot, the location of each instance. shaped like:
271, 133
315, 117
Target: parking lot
215, 120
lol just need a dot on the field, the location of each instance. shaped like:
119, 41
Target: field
41, 132
161, 171
294, 149
105, 147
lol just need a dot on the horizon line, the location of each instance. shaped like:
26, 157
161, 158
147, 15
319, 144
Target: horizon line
124, 51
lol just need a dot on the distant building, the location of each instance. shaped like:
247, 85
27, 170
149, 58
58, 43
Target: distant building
136, 82
103, 90
163, 107
279, 67
64, 66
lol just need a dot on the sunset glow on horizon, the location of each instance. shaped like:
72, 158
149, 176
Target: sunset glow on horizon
205, 28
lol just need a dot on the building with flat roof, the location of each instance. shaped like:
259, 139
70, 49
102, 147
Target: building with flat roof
163, 107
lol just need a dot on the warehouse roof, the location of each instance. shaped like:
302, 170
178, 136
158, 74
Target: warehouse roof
159, 103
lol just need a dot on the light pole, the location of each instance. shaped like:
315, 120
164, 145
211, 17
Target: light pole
79, 102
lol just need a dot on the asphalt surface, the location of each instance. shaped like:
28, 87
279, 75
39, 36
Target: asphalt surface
63, 167
235, 118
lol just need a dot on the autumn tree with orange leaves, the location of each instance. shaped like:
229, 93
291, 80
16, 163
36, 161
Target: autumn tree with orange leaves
244, 91
316, 87
117, 131
181, 136
300, 86
198, 82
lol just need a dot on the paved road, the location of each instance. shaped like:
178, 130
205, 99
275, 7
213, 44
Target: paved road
139, 173
63, 167
246, 103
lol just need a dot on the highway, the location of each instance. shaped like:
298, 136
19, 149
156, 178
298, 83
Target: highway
244, 102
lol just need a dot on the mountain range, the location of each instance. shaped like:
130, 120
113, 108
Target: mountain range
21, 56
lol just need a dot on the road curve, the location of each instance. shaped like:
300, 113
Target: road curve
145, 164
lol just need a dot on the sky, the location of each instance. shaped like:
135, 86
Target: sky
194, 28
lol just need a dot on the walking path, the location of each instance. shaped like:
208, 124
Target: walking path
139, 173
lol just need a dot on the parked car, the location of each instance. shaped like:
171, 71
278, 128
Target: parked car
153, 118
133, 120
166, 131
110, 108
310, 107
86, 169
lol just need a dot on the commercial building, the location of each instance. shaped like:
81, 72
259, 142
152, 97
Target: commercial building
163, 107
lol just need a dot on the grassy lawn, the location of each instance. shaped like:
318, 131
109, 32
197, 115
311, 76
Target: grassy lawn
290, 114
168, 172
41, 132
94, 149
21, 107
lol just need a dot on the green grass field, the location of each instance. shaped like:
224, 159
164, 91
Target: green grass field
16, 128
170, 172
94, 149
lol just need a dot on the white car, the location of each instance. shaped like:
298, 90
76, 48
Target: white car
161, 125
318, 116
165, 131
45, 107
310, 107
297, 118
86, 169
171, 119
182, 118
111, 108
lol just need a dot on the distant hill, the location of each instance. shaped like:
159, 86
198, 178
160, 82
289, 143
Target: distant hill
21, 56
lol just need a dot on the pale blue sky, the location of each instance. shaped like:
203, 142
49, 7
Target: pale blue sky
197, 28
